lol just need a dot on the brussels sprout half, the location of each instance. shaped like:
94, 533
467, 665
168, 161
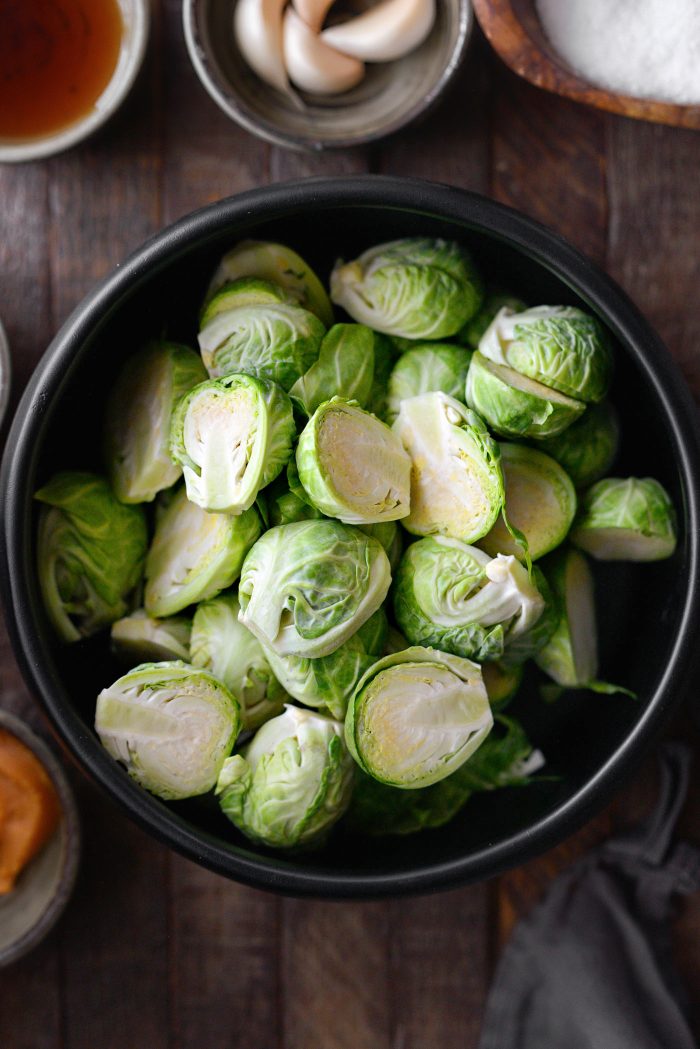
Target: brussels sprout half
232, 436
222, 645
540, 502
137, 419
458, 599
329, 681
291, 783
630, 519
139, 639
245, 291
90, 553
514, 405
170, 725
415, 288
456, 479
427, 368
560, 347
307, 587
345, 368
416, 716
352, 466
282, 266
194, 555
587, 448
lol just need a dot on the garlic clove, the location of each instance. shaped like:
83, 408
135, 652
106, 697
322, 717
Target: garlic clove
313, 12
314, 66
387, 31
258, 29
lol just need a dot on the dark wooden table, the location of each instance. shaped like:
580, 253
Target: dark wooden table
154, 952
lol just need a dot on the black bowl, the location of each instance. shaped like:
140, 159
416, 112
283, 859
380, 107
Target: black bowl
648, 613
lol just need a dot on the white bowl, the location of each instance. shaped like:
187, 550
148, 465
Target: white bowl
136, 19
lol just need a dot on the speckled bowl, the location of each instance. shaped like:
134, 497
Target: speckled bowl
34, 906
392, 95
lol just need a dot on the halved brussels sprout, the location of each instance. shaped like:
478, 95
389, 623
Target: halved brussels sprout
137, 419
307, 587
329, 681
139, 639
524, 646
505, 759
561, 347
570, 657
427, 368
456, 480
225, 647
277, 263
245, 291
588, 447
502, 683
416, 716
276, 341
540, 502
626, 519
194, 555
458, 599
345, 367
232, 436
352, 466
471, 333
416, 288
90, 553
291, 783
170, 725
514, 405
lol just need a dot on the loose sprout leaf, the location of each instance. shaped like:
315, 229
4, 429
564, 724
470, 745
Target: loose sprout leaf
427, 368
626, 519
345, 368
523, 646
587, 449
415, 288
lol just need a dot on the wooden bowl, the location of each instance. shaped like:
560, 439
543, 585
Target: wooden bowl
515, 32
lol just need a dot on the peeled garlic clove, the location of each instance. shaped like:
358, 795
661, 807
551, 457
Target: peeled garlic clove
387, 31
313, 12
314, 66
258, 28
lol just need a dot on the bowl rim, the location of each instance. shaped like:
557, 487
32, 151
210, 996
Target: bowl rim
230, 104
473, 212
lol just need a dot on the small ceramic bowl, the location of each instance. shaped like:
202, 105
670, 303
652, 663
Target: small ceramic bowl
136, 19
392, 94
44, 887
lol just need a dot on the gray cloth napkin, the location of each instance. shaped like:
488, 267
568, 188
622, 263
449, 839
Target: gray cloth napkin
590, 967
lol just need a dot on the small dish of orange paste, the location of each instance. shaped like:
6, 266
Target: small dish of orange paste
29, 808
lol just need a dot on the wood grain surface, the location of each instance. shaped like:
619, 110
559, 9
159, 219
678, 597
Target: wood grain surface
154, 952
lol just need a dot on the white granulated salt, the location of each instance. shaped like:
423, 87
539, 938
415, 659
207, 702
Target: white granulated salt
646, 48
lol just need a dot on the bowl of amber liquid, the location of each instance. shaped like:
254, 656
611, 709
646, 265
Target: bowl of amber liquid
67, 65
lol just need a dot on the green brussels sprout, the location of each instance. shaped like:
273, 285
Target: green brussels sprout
389, 535
456, 480
384, 357
570, 657
137, 419
470, 335
244, 291
416, 716
345, 367
170, 725
288, 501
278, 341
139, 639
456, 598
630, 519
291, 784
279, 264
233, 655
352, 466
523, 646
502, 682
90, 553
195, 555
504, 759
307, 587
329, 681
416, 288
514, 405
588, 447
232, 436
540, 502
427, 368
560, 347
